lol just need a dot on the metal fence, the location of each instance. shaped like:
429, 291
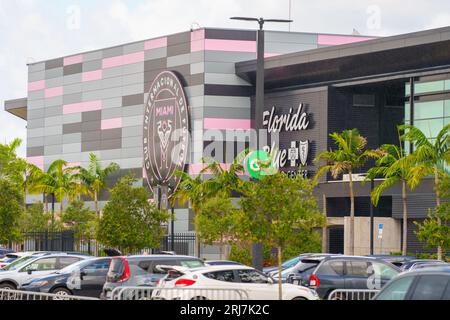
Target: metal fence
181, 243
154, 293
349, 294
6, 294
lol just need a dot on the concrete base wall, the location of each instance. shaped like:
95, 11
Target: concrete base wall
391, 241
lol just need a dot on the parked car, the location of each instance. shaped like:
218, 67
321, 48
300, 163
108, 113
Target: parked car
222, 263
34, 266
396, 260
328, 273
422, 284
138, 271
83, 278
11, 257
296, 270
4, 252
412, 264
287, 264
258, 285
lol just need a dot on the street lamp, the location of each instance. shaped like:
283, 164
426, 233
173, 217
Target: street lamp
259, 106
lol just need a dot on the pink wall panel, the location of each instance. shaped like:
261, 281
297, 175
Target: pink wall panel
123, 60
73, 60
112, 123
92, 75
37, 161
212, 123
198, 40
36, 85
54, 92
325, 39
82, 107
230, 45
155, 43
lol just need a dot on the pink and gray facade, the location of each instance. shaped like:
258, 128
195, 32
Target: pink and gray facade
93, 102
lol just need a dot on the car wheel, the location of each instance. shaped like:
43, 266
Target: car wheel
7, 286
300, 298
61, 294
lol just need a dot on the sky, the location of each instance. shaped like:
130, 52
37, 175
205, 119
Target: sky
36, 30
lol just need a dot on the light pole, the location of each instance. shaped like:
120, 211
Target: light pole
257, 251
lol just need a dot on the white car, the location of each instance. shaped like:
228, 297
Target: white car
251, 283
31, 267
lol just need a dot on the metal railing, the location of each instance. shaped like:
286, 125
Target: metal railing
350, 294
7, 294
155, 293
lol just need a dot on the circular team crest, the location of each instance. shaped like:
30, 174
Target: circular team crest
166, 132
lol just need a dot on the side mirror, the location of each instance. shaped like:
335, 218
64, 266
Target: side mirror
270, 280
30, 271
83, 274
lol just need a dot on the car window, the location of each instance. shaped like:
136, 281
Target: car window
226, 275
333, 267
191, 264
384, 271
446, 295
154, 270
251, 276
358, 268
397, 290
45, 264
291, 263
430, 287
97, 266
17, 264
67, 261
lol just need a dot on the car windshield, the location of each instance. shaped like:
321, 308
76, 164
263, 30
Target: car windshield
17, 264
290, 263
75, 267
304, 267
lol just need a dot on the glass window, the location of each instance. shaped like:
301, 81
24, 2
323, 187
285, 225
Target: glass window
430, 287
447, 108
358, 268
251, 276
397, 290
97, 266
430, 128
446, 295
447, 85
291, 263
67, 261
45, 264
384, 271
429, 110
433, 86
407, 89
226, 276
407, 112
191, 263
154, 270
332, 268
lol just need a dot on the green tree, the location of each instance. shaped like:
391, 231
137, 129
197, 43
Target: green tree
275, 210
395, 167
347, 158
130, 222
12, 167
81, 220
59, 182
432, 156
11, 208
435, 230
94, 177
35, 219
216, 222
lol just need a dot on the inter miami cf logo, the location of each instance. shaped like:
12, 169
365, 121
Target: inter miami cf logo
166, 131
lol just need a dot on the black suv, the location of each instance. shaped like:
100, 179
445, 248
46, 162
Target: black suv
141, 271
328, 273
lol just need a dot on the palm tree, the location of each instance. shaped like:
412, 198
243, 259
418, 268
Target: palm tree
349, 156
58, 181
431, 156
94, 177
394, 166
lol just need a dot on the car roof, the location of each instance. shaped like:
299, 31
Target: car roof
438, 270
158, 257
339, 256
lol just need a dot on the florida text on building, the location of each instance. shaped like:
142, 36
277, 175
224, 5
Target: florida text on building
123, 103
